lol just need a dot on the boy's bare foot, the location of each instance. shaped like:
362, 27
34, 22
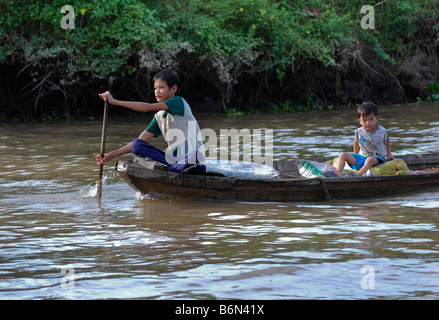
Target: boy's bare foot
338, 173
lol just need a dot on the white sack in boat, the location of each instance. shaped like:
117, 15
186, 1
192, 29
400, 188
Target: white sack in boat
240, 169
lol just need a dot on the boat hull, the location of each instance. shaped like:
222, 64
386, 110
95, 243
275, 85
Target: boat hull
161, 183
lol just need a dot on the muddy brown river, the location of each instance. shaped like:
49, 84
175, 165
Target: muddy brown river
58, 241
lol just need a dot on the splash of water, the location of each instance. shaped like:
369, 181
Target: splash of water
91, 190
151, 196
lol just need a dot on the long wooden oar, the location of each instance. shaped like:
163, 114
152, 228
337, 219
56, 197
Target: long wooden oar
103, 137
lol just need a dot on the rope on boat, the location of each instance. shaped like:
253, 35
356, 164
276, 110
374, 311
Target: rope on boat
328, 195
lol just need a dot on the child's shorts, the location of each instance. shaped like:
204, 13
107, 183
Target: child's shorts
361, 160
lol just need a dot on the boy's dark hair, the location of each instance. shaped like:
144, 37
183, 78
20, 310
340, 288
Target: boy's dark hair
366, 109
170, 77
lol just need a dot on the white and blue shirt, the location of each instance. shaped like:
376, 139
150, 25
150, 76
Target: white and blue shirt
179, 128
372, 144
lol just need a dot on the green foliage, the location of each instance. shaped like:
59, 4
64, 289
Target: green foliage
105, 34
50, 116
434, 92
227, 40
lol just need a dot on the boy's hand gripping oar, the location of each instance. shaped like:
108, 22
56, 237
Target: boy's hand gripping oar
104, 134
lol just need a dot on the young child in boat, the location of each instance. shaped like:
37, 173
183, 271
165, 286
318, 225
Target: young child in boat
371, 145
174, 120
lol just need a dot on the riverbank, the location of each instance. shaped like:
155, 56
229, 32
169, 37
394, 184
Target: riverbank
251, 56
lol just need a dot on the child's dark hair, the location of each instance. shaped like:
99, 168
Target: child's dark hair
367, 108
169, 76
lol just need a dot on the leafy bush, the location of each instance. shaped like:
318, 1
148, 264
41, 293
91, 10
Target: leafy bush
225, 41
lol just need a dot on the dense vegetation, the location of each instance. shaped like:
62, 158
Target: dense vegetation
252, 55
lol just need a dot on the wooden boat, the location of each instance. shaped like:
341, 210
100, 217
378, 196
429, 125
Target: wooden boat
154, 179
